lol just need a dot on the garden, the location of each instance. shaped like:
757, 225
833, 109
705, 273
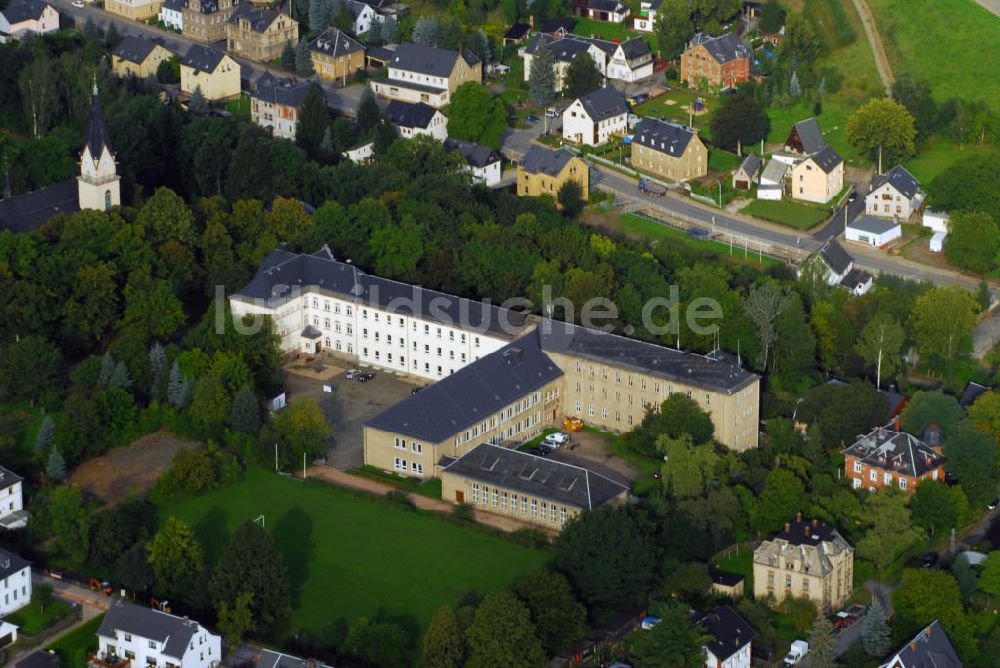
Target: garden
784, 212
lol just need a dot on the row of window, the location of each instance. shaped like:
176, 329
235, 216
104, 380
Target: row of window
400, 444
524, 405
523, 505
415, 467
886, 477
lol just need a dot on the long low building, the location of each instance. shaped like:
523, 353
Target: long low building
528, 488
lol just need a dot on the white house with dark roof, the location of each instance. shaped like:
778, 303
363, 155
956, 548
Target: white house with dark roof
819, 177
874, 232
895, 195
12, 512
172, 14
483, 162
427, 74
363, 15
412, 119
631, 61
15, 582
152, 638
564, 50
612, 11
930, 648
731, 643
27, 17
593, 118
836, 267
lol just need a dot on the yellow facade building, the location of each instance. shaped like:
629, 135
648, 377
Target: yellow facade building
134, 10
336, 55
544, 171
138, 57
668, 150
259, 33
214, 72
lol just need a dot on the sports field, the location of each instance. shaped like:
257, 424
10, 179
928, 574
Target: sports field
350, 556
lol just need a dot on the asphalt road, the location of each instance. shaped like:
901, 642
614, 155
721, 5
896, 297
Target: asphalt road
341, 100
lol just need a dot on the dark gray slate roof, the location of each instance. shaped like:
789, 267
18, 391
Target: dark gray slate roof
855, 278
662, 136
723, 48
730, 632
38, 660
428, 59
202, 59
473, 153
260, 18
175, 5
802, 532
604, 103
30, 211
726, 579
873, 225
554, 25
151, 625
972, 392
750, 165
809, 135
24, 10
334, 43
11, 563
636, 48
8, 478
929, 649
135, 49
900, 179
827, 159
565, 484
717, 372
281, 91
569, 47
258, 657
281, 272
540, 159
97, 132
410, 115
835, 256
895, 451
471, 394
605, 6
517, 31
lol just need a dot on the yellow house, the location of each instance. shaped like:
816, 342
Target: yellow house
134, 10
819, 177
336, 55
544, 171
138, 57
534, 490
259, 33
215, 73
668, 150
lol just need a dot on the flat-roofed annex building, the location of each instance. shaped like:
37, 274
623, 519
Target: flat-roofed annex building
528, 488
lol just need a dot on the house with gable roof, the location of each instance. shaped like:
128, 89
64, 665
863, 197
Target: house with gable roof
836, 267
611, 11
887, 458
139, 56
646, 19
544, 171
668, 150
631, 61
593, 118
483, 162
205, 21
417, 119
819, 177
748, 172
895, 195
721, 62
214, 72
15, 582
259, 33
172, 14
153, 638
930, 648
336, 55
27, 17
731, 642
275, 104
427, 74
805, 138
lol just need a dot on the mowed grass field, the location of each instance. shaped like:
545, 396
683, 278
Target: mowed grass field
951, 43
349, 556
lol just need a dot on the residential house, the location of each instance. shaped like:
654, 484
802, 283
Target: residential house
631, 61
388, 7
727, 584
646, 20
544, 171
214, 72
27, 17
15, 582
835, 266
748, 173
172, 14
628, 61
12, 513
417, 119
772, 180
731, 643
612, 11
668, 150
363, 153
249, 656
427, 74
805, 138
894, 195
930, 648
719, 62
541, 492
319, 304
155, 639
818, 178
139, 57
97, 186
557, 27
206, 20
260, 33
362, 14
483, 162
592, 119
886, 458
134, 10
516, 34
806, 559
336, 55
874, 232
275, 104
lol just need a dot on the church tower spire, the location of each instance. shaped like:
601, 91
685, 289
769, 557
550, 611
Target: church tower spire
99, 183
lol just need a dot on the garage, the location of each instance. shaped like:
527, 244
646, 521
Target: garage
874, 232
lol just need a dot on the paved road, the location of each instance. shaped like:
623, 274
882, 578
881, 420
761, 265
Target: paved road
342, 100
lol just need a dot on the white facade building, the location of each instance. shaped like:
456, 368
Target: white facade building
482, 162
372, 320
646, 20
874, 232
172, 14
363, 16
15, 582
936, 220
12, 513
417, 119
631, 61
894, 195
593, 118
152, 638
732, 638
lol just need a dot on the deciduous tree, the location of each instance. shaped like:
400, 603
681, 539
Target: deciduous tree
175, 557
925, 595
377, 644
891, 531
27, 368
501, 634
880, 345
300, 428
582, 76
560, 620
739, 121
884, 127
783, 496
943, 318
673, 27
236, 621
672, 643
444, 646
974, 241
476, 115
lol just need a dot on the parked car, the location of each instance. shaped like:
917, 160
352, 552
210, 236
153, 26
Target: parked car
552, 112
77, 4
853, 197
531, 118
652, 188
352, 374
538, 451
364, 376
994, 503
649, 622
556, 440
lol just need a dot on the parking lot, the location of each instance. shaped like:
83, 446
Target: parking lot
349, 405
592, 451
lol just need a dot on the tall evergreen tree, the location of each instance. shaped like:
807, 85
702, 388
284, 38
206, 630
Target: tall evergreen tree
582, 76
90, 29
46, 431
390, 30
288, 56
367, 113
107, 370
876, 634
198, 104
56, 467
821, 643
158, 367
542, 80
313, 120
178, 387
303, 59
120, 377
375, 32
317, 15
245, 413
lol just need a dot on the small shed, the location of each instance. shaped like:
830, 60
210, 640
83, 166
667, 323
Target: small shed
936, 220
937, 242
727, 584
748, 172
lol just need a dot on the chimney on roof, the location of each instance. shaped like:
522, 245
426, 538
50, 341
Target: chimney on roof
805, 529
185, 620
531, 23
788, 527
815, 522
798, 517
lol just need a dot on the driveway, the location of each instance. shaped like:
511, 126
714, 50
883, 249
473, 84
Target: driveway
591, 451
350, 404
853, 633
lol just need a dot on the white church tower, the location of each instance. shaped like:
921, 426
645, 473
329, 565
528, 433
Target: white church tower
99, 183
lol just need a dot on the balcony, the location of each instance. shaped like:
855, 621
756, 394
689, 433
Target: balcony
106, 660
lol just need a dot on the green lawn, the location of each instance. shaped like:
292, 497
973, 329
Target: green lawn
73, 647
239, 107
350, 556
723, 161
430, 488
938, 154
951, 43
31, 620
785, 212
610, 31
675, 113
832, 122
651, 230
739, 562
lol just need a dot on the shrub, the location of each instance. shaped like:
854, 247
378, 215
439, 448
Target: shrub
464, 511
401, 498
